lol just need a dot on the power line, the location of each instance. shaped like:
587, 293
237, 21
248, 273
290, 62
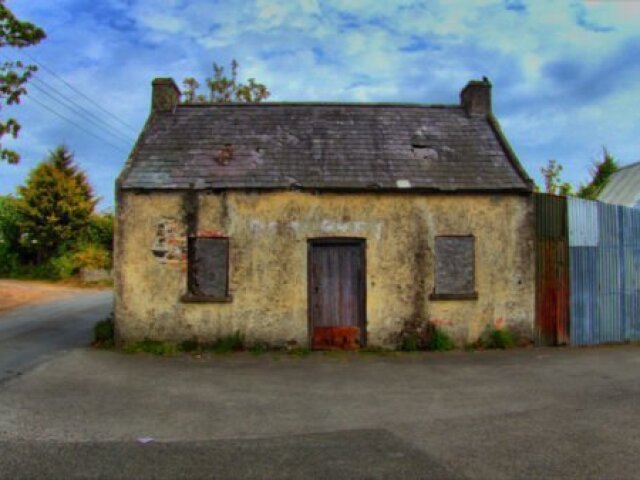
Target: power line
77, 125
44, 67
79, 110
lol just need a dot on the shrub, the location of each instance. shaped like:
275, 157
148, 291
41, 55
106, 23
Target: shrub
92, 256
492, 337
100, 230
501, 338
104, 333
440, 341
61, 266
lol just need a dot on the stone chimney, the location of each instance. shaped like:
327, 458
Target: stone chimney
476, 96
165, 95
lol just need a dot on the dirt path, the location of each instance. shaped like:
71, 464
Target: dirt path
17, 293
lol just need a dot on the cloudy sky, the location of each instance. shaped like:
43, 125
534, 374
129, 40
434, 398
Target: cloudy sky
565, 73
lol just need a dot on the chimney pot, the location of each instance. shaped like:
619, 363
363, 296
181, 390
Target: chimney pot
476, 97
165, 95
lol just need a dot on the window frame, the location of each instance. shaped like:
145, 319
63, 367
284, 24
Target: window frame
470, 295
193, 297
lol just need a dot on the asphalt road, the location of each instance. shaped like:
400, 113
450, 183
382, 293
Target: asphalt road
527, 414
33, 334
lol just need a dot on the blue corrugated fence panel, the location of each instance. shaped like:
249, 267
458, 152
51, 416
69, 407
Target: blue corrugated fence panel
583, 222
584, 295
604, 272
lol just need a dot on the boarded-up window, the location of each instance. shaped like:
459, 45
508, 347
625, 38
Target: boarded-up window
208, 269
455, 265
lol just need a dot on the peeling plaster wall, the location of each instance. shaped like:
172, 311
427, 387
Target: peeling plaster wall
268, 262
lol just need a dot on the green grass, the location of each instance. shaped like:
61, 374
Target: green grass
156, 347
299, 352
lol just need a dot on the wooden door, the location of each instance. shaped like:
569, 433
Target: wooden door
337, 293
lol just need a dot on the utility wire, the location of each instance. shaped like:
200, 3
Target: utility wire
69, 104
52, 110
44, 67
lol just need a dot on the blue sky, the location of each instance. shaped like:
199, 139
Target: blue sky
565, 73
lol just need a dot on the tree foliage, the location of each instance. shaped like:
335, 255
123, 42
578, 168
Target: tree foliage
54, 207
9, 234
225, 89
552, 181
600, 175
14, 75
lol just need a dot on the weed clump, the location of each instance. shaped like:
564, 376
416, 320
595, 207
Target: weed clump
104, 333
156, 347
299, 352
259, 347
410, 343
226, 344
440, 341
189, 346
496, 338
417, 336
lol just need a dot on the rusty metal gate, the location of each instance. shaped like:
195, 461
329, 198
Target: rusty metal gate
552, 270
336, 283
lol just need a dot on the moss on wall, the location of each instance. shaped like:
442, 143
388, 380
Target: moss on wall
268, 263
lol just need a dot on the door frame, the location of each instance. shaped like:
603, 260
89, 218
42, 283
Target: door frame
362, 244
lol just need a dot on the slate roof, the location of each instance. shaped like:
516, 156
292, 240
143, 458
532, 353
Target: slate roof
323, 146
623, 188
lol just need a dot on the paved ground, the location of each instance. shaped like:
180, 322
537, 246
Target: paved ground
536, 413
31, 335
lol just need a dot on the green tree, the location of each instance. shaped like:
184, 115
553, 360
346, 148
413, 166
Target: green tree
100, 230
54, 207
9, 235
552, 181
551, 175
14, 75
600, 175
223, 88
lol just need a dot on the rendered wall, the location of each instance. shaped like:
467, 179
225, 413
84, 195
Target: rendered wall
268, 262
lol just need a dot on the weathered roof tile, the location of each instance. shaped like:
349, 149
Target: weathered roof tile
319, 146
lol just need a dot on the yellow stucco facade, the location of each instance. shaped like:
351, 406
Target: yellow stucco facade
269, 234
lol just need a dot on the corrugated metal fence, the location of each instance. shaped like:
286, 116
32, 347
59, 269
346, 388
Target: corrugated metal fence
552, 270
587, 271
604, 272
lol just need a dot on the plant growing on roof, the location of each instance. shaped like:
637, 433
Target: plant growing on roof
225, 89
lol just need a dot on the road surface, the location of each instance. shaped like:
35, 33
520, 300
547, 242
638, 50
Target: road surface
33, 334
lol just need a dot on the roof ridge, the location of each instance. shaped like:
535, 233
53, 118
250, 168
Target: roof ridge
320, 104
629, 165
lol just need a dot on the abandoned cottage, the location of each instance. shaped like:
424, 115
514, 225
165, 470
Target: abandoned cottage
332, 225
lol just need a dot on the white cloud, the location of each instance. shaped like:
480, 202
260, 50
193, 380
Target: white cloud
361, 50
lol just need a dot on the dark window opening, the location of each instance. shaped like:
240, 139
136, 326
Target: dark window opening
208, 270
454, 268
